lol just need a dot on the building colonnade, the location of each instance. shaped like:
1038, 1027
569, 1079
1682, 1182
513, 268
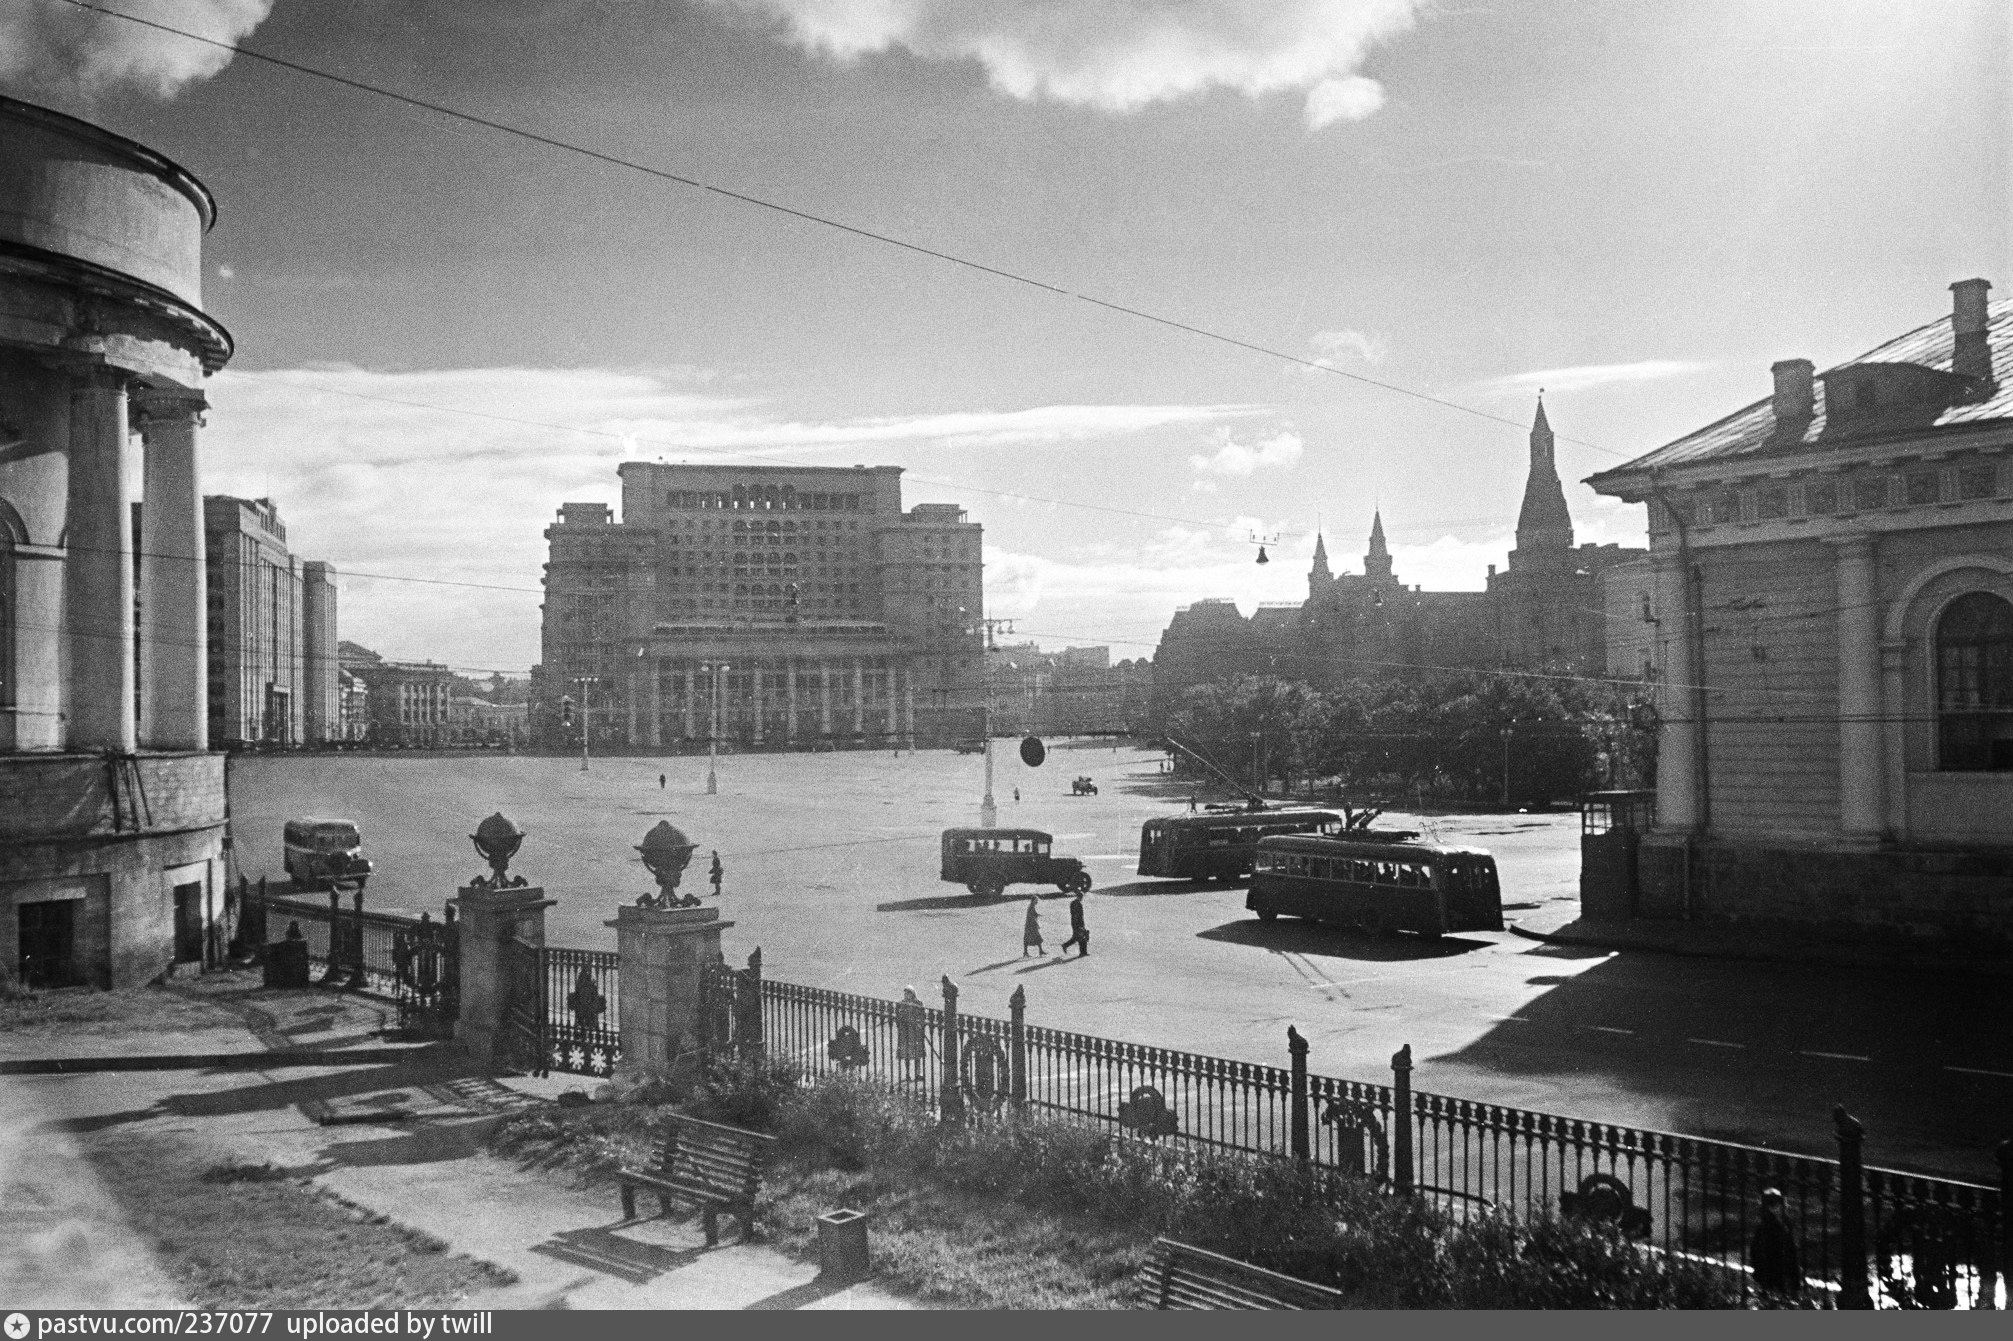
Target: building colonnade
776, 700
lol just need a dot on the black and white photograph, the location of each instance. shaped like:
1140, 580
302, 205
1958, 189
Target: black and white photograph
601, 599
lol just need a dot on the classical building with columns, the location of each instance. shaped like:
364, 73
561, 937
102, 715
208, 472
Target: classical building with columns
800, 603
111, 805
1833, 573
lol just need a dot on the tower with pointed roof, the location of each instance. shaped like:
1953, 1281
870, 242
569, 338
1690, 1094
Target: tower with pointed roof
1318, 577
1377, 563
1544, 524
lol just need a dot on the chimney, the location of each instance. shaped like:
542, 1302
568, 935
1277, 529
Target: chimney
1794, 400
1971, 355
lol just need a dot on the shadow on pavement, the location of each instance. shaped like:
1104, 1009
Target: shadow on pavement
1145, 888
603, 1250
1310, 938
942, 903
798, 1296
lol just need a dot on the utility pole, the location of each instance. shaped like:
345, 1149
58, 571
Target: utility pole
586, 717
988, 812
714, 670
1506, 767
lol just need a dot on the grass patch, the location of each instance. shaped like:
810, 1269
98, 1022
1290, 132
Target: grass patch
248, 1236
84, 1010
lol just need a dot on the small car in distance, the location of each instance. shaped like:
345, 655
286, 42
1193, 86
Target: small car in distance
986, 861
1082, 787
320, 853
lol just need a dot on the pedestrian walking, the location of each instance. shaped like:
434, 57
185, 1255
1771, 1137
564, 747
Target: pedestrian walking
1191, 803
716, 874
1079, 933
911, 1042
1030, 933
1016, 796
1772, 1255
660, 782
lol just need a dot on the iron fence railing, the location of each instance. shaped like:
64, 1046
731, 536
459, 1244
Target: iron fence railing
1864, 1237
582, 1010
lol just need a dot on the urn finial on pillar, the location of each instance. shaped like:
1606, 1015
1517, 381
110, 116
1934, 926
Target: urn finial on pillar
666, 852
496, 841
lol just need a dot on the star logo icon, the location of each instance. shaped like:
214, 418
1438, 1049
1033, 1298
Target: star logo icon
17, 1326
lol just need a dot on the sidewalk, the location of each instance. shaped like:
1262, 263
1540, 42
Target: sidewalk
400, 1136
1559, 923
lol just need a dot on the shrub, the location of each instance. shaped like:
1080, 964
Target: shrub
1555, 1263
745, 1092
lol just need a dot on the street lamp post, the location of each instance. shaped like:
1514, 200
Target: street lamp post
1506, 767
586, 717
714, 670
988, 812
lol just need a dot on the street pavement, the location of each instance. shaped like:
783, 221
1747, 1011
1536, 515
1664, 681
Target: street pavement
831, 868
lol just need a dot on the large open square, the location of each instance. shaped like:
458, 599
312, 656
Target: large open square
831, 868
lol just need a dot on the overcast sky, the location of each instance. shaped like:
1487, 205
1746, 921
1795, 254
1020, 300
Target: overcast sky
1638, 206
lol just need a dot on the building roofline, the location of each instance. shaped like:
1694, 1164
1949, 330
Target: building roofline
156, 162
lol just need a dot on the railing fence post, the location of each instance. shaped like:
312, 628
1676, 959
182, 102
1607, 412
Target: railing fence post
1852, 1284
1297, 1046
1401, 1118
748, 1029
951, 1103
1017, 1047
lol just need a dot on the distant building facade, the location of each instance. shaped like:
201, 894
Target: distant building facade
272, 631
112, 807
408, 703
1833, 622
1077, 691
1542, 612
804, 602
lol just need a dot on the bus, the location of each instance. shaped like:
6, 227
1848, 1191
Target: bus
1221, 846
320, 853
1430, 888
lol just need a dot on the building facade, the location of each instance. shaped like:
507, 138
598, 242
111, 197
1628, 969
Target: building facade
1542, 612
111, 805
1077, 691
409, 703
803, 605
1834, 624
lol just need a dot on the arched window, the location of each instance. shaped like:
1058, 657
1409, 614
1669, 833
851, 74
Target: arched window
1974, 683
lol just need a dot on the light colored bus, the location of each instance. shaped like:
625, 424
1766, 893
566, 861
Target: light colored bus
323, 852
1430, 888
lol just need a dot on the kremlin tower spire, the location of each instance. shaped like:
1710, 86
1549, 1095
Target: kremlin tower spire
1319, 578
1544, 525
1377, 563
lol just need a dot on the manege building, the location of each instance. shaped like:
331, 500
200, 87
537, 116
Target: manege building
804, 600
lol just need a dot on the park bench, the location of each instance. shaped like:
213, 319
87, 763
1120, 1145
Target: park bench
1178, 1276
712, 1166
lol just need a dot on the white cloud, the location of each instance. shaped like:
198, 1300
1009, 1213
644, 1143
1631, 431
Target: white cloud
56, 48
1120, 55
1235, 458
369, 478
1333, 346
1589, 376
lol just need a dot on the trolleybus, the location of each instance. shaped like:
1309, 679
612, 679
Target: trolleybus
1430, 888
1220, 847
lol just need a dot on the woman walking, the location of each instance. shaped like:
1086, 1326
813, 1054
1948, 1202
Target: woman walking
1031, 930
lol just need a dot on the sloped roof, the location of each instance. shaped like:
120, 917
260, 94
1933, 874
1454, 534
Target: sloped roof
1753, 431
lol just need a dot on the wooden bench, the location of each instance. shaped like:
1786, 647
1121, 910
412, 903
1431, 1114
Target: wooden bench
1179, 1276
712, 1166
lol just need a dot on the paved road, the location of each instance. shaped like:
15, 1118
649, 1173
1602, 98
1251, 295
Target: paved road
831, 869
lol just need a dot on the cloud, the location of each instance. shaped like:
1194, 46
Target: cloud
369, 478
1590, 376
1332, 346
53, 48
1120, 55
1234, 458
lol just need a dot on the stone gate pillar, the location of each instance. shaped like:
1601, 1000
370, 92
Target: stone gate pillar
664, 953
488, 919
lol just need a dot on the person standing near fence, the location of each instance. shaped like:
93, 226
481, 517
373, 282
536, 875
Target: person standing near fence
1772, 1255
1079, 933
911, 1040
717, 874
1030, 932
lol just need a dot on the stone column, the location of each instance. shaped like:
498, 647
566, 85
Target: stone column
755, 696
1894, 682
1862, 772
635, 693
894, 704
909, 707
825, 697
654, 734
859, 698
489, 919
174, 635
664, 952
691, 702
1678, 737
98, 567
790, 670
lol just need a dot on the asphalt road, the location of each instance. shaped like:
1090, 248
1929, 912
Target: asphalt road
831, 867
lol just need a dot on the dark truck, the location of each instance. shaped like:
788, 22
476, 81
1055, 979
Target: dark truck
986, 861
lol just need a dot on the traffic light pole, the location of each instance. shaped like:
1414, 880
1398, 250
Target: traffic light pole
586, 717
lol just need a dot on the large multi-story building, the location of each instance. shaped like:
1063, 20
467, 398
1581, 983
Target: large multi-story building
272, 631
1077, 691
111, 804
1833, 619
801, 602
1544, 611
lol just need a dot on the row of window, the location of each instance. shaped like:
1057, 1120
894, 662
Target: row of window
1831, 494
768, 498
1356, 870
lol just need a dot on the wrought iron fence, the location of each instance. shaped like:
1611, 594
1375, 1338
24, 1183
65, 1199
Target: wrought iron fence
1863, 1237
582, 1010
410, 960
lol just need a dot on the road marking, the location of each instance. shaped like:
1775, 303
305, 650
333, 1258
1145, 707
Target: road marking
1714, 1043
1834, 1056
1609, 1029
1980, 1071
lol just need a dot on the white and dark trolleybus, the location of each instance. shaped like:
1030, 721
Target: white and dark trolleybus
1221, 846
1430, 888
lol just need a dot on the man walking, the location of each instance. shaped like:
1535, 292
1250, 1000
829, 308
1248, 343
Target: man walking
660, 782
1079, 934
717, 873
